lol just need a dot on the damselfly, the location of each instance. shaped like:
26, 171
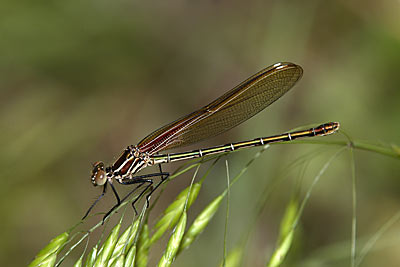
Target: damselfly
224, 113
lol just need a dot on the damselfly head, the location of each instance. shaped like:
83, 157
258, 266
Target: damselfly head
99, 176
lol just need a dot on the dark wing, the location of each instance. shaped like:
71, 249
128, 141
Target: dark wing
227, 111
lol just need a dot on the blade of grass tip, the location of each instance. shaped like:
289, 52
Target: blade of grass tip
234, 258
133, 234
286, 234
118, 249
138, 225
119, 261
130, 257
72, 247
122, 242
126, 240
119, 246
372, 241
79, 262
201, 222
107, 249
49, 261
279, 254
396, 149
91, 257
49, 252
143, 247
288, 219
174, 242
174, 211
227, 212
189, 196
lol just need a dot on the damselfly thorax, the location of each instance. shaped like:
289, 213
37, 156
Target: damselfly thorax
124, 168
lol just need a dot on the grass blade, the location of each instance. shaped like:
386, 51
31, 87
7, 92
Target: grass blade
49, 253
108, 247
174, 243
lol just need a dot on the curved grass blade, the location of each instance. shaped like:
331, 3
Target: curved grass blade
143, 247
228, 188
200, 222
126, 240
174, 211
108, 247
119, 261
292, 217
79, 262
130, 257
234, 258
48, 255
91, 257
174, 242
286, 234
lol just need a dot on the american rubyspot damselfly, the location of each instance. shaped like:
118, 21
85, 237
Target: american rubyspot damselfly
224, 113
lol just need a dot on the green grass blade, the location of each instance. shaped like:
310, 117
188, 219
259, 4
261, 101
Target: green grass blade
126, 239
49, 253
91, 257
174, 211
108, 247
174, 243
201, 222
286, 234
119, 261
234, 257
143, 247
227, 212
130, 257
79, 262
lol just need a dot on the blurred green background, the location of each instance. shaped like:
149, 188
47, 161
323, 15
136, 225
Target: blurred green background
81, 80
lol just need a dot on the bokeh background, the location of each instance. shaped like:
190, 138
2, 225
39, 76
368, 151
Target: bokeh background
81, 80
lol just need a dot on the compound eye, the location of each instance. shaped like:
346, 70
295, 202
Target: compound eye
99, 176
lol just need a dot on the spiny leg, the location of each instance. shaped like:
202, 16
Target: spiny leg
116, 194
97, 200
164, 176
142, 180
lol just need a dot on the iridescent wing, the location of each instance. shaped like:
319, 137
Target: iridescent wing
234, 107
